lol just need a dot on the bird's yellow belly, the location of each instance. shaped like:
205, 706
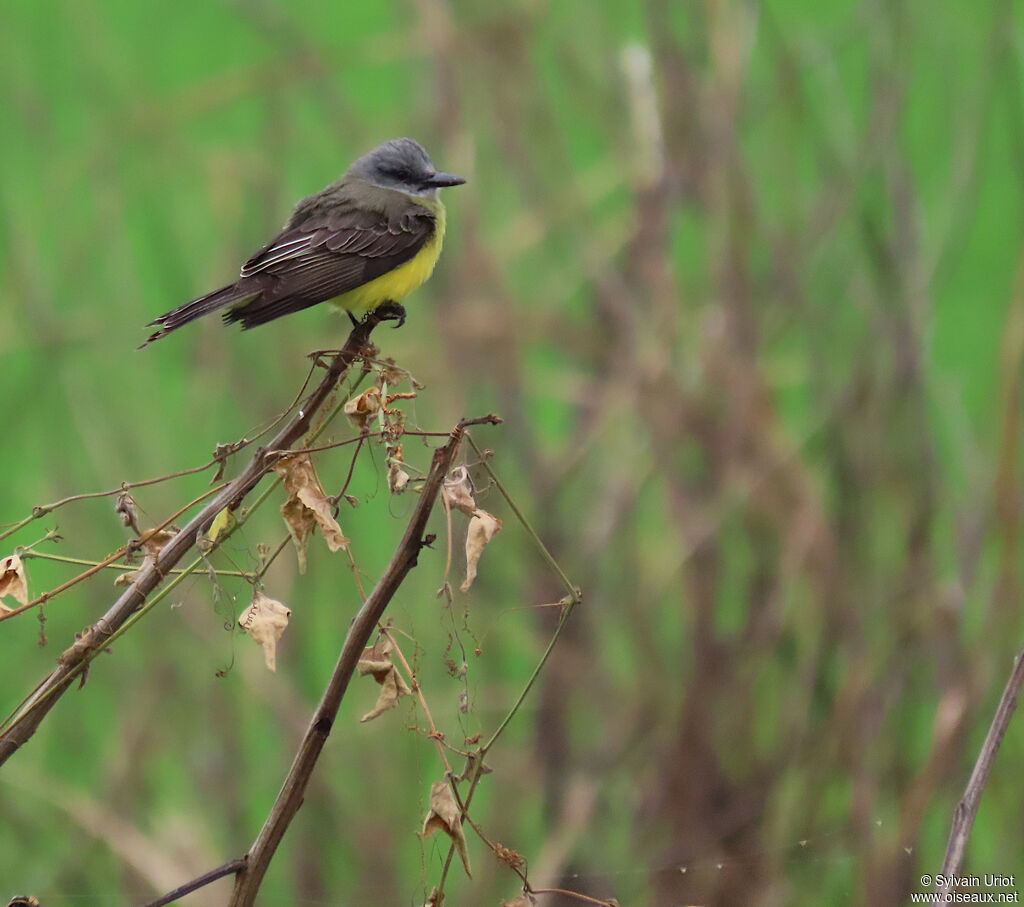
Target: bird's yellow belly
399, 282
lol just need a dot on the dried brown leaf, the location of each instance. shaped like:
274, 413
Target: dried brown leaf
445, 816
128, 511
300, 522
13, 581
265, 620
471, 763
482, 528
457, 491
156, 541
376, 660
363, 408
398, 478
303, 486
523, 900
129, 576
392, 689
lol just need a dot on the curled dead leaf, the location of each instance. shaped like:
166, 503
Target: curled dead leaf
300, 522
129, 576
265, 620
523, 900
307, 502
398, 478
457, 492
13, 581
128, 511
392, 689
376, 660
445, 816
472, 760
363, 408
155, 542
482, 528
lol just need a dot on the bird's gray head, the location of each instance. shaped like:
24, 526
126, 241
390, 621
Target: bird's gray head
402, 164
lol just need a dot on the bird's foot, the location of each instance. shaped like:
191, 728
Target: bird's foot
390, 311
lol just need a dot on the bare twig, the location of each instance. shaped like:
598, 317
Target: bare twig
414, 684
43, 509
565, 892
967, 808
229, 868
574, 592
82, 562
95, 637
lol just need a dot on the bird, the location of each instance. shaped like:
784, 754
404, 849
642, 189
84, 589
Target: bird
365, 241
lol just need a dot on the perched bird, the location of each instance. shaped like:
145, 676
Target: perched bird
366, 240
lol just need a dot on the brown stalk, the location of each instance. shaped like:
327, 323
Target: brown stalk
251, 868
363, 625
967, 808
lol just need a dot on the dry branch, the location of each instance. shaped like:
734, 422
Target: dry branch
252, 867
363, 625
94, 638
967, 808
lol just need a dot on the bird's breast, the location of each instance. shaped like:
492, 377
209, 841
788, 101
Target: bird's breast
401, 281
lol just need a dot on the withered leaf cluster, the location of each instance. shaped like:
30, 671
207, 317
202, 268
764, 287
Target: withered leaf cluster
457, 494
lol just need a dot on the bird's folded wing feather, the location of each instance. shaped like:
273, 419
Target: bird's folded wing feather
329, 254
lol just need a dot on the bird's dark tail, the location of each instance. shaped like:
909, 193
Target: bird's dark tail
218, 299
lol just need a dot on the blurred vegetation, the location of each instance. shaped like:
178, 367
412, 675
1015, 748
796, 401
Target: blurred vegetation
744, 281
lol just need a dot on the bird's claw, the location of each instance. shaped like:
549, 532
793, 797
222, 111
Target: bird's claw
390, 311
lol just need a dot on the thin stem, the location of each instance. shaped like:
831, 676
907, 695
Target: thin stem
967, 808
229, 868
27, 554
569, 604
571, 894
538, 544
259, 574
414, 684
43, 509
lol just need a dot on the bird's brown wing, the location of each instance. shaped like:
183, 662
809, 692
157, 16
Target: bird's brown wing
326, 255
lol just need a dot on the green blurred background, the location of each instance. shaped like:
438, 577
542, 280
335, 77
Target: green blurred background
744, 281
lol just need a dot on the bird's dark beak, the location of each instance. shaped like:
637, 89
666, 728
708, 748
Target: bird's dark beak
440, 180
